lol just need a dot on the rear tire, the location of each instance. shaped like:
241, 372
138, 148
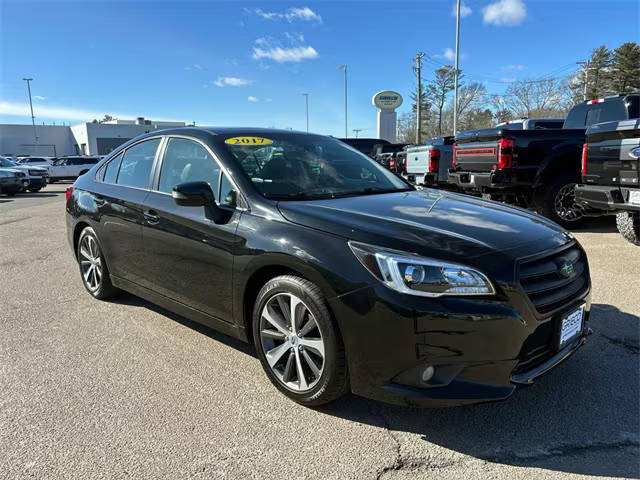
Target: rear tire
35, 190
305, 361
93, 268
557, 202
629, 226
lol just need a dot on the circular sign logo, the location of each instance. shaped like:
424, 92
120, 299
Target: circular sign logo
387, 100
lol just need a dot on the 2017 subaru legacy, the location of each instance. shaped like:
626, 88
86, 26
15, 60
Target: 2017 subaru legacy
344, 277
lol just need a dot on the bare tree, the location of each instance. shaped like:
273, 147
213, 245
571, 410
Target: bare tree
532, 98
438, 90
470, 96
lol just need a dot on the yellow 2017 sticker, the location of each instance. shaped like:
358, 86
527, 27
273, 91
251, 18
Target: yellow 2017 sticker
248, 141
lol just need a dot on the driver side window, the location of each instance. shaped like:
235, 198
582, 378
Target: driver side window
187, 161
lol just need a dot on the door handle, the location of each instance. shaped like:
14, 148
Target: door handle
151, 216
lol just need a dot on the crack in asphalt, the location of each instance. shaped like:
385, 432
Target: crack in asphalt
508, 457
397, 461
625, 343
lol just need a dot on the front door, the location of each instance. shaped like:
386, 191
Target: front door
189, 257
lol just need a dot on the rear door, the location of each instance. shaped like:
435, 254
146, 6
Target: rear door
121, 189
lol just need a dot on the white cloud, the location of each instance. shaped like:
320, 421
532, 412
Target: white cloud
231, 82
505, 12
507, 79
195, 66
39, 97
465, 11
450, 55
251, 98
303, 14
279, 54
516, 67
56, 112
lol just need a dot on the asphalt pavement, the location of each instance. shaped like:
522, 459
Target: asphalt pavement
124, 389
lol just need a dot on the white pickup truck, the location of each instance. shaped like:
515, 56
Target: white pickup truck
70, 168
429, 164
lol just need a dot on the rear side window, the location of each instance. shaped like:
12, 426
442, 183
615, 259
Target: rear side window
135, 167
187, 161
111, 170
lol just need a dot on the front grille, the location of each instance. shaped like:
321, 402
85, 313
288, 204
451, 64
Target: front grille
36, 173
554, 280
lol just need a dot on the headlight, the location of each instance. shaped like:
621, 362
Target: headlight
415, 275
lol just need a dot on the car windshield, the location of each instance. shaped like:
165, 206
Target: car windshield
5, 162
303, 167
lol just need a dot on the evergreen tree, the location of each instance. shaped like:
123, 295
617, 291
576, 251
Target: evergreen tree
599, 75
625, 68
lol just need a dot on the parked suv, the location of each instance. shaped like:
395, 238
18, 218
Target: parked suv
429, 164
37, 176
535, 168
35, 161
611, 174
70, 168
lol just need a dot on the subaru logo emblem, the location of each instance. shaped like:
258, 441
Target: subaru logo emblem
566, 270
293, 339
635, 153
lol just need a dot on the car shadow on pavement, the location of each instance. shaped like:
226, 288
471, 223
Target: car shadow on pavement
582, 417
39, 194
131, 300
605, 224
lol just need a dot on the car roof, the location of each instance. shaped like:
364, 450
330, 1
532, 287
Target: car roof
226, 131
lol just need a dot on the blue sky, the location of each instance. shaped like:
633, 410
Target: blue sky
245, 63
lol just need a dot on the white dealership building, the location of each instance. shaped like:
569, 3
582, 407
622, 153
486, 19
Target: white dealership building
89, 138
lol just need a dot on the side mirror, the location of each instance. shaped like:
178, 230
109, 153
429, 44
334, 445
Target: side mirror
199, 194
193, 194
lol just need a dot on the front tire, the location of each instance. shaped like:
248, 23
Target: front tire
558, 202
298, 342
629, 226
93, 268
35, 190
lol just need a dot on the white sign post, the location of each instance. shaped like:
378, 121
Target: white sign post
386, 102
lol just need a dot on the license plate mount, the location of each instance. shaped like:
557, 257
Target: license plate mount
570, 326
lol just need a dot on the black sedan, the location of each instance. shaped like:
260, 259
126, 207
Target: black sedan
344, 277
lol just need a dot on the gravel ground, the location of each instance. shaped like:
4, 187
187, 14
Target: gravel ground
122, 389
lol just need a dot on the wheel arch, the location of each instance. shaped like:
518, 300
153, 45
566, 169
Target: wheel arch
265, 272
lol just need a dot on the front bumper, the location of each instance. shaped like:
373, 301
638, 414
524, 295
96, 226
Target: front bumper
607, 199
476, 345
13, 184
37, 182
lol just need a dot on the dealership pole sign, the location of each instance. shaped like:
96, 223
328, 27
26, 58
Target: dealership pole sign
386, 102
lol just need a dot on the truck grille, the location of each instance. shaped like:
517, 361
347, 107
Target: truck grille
554, 280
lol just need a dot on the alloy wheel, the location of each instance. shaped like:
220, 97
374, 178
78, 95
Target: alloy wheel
90, 263
292, 342
566, 206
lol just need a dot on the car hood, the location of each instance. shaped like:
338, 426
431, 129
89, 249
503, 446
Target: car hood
428, 221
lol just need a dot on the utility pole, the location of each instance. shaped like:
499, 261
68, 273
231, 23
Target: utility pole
358, 130
33, 118
346, 132
306, 95
586, 77
455, 74
418, 60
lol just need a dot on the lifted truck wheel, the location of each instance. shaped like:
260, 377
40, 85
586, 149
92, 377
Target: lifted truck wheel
558, 202
629, 226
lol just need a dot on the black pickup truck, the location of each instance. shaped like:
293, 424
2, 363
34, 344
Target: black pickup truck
535, 168
611, 174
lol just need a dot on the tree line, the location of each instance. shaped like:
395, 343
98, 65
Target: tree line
607, 72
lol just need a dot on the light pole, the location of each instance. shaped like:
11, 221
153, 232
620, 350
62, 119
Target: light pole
33, 118
346, 131
455, 77
306, 97
418, 60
